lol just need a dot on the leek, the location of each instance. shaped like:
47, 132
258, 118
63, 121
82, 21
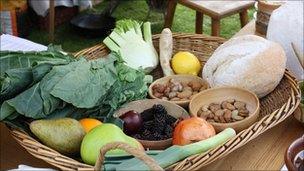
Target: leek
175, 153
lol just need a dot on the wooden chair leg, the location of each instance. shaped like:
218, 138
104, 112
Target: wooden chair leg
170, 13
244, 17
199, 23
215, 27
52, 21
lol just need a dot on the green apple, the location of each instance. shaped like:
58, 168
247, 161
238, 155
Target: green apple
102, 135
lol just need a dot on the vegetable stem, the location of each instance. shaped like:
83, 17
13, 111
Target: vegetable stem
209, 143
117, 39
147, 32
111, 44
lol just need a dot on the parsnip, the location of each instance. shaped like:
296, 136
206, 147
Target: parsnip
165, 51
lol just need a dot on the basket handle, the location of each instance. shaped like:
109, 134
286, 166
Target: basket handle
141, 155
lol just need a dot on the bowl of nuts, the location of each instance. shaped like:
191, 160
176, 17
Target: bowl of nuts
178, 89
226, 107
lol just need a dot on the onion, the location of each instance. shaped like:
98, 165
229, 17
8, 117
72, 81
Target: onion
132, 122
192, 130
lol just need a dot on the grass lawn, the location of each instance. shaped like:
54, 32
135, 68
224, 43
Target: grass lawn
184, 21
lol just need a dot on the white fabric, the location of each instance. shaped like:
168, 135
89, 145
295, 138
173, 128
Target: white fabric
13, 43
41, 6
286, 26
29, 168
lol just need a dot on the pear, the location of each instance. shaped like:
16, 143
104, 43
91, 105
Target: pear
102, 135
63, 135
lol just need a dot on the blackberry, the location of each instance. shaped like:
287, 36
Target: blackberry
156, 136
170, 119
159, 125
137, 136
147, 115
148, 125
168, 131
158, 108
146, 133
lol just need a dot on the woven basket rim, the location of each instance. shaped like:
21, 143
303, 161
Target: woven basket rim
51, 156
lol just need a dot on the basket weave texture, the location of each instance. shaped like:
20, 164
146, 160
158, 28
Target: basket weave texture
275, 108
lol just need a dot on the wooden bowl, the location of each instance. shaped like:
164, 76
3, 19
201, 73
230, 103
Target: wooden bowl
141, 105
181, 78
292, 153
218, 95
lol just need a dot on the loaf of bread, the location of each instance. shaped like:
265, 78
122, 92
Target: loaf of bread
250, 62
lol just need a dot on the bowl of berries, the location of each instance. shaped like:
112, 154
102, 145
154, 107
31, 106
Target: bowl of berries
151, 121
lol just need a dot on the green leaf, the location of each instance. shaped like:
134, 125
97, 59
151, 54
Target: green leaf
14, 81
20, 70
28, 103
86, 82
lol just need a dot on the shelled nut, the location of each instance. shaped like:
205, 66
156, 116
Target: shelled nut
225, 112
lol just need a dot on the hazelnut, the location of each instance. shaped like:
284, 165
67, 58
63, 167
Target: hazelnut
211, 115
204, 115
167, 91
216, 119
196, 86
205, 108
237, 117
239, 105
184, 84
172, 95
184, 94
231, 101
230, 106
180, 87
219, 112
161, 88
187, 88
235, 112
224, 104
174, 88
199, 113
243, 114
222, 119
214, 107
158, 95
227, 115
244, 111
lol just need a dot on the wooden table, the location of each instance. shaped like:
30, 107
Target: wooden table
217, 10
264, 152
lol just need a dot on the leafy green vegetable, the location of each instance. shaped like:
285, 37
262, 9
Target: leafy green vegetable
86, 83
18, 70
78, 89
135, 48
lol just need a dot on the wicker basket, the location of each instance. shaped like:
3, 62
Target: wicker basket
275, 108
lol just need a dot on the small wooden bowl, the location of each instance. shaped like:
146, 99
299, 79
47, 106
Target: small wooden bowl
141, 105
218, 95
181, 78
292, 152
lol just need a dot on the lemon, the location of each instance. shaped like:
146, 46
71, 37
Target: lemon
185, 63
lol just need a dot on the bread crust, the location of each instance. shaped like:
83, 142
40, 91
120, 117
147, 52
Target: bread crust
250, 62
